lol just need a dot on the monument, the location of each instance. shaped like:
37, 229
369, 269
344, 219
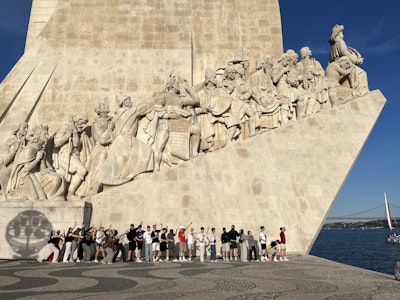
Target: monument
175, 112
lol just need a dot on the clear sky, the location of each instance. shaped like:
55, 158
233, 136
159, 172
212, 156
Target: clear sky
372, 27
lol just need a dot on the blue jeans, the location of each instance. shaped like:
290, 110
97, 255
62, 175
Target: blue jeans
148, 252
213, 252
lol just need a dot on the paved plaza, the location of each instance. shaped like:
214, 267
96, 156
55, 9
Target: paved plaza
303, 277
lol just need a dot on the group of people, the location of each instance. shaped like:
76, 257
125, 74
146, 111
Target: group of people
157, 244
179, 123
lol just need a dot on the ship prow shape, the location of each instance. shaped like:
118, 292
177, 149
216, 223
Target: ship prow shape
288, 177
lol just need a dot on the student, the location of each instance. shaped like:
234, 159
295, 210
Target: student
263, 243
282, 254
273, 249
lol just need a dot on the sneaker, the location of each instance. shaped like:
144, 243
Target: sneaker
103, 262
157, 258
39, 260
138, 260
275, 259
78, 260
109, 263
175, 260
285, 259
281, 259
235, 258
96, 261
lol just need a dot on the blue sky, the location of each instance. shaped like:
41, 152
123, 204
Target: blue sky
372, 27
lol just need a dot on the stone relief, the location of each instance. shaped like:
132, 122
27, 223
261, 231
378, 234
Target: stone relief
179, 123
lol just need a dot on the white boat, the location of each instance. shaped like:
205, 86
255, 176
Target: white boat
393, 238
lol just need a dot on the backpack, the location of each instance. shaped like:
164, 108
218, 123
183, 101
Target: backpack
397, 271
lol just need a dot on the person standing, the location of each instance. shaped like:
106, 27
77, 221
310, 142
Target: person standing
119, 247
243, 246
212, 239
164, 243
201, 237
156, 243
69, 238
190, 243
252, 246
225, 245
139, 242
182, 242
147, 246
263, 242
171, 244
282, 253
132, 242
233, 235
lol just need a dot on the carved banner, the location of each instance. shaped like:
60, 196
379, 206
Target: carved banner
179, 136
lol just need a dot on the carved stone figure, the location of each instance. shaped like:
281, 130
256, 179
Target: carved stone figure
14, 145
339, 49
339, 72
102, 134
74, 146
32, 176
157, 128
314, 82
184, 140
287, 82
265, 94
240, 93
128, 156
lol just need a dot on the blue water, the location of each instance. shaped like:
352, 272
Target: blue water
365, 249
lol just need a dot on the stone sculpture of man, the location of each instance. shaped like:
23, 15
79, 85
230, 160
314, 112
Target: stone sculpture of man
32, 176
339, 49
128, 156
72, 142
314, 82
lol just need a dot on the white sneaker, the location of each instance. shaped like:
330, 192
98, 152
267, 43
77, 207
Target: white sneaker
96, 260
285, 259
175, 260
39, 260
275, 259
138, 260
78, 260
281, 259
235, 258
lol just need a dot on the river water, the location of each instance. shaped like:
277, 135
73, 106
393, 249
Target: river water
360, 248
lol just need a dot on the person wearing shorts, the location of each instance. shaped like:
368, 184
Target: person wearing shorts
182, 242
263, 242
139, 243
282, 254
156, 243
225, 245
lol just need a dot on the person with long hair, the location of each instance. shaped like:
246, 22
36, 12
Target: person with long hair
53, 247
69, 237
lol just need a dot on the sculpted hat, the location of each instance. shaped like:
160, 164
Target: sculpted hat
335, 31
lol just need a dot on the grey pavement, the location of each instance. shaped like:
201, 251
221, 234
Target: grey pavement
303, 277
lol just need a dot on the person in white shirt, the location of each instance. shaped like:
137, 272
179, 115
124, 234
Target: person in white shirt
190, 243
263, 243
147, 244
201, 238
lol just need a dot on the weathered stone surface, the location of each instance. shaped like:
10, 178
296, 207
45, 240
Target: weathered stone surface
286, 177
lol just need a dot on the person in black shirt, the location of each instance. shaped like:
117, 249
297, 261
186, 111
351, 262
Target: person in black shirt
233, 235
225, 245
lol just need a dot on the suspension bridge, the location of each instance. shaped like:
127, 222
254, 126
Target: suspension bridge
375, 213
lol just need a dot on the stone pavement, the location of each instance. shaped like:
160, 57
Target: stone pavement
303, 277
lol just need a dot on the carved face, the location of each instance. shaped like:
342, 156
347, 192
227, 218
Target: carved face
128, 102
80, 124
23, 128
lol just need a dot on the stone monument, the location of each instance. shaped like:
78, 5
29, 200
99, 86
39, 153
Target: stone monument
175, 112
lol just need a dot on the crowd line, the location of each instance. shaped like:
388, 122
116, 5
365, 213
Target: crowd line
158, 244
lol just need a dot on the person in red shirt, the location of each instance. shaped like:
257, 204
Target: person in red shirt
282, 254
182, 242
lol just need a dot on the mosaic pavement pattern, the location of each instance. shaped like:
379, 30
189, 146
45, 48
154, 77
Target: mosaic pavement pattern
303, 277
